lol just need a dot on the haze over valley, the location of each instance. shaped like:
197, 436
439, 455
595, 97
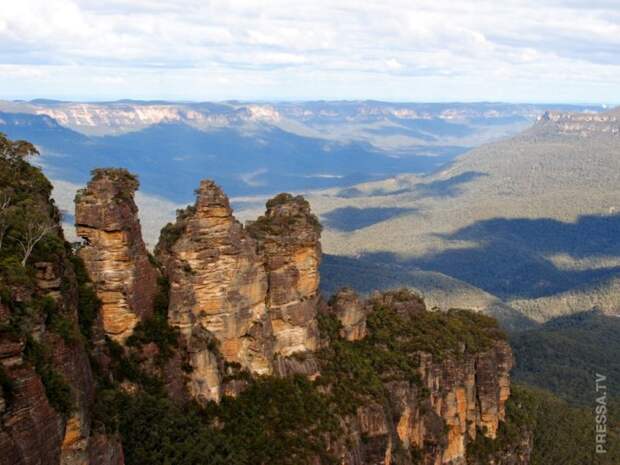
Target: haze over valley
506, 208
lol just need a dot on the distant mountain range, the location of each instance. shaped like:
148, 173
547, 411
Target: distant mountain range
258, 148
510, 209
532, 222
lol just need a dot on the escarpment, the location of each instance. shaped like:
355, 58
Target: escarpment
47, 385
251, 294
582, 124
114, 253
433, 382
103, 357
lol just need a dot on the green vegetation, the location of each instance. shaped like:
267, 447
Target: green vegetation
274, 421
399, 328
29, 234
119, 176
27, 216
562, 434
565, 354
88, 303
156, 329
279, 222
171, 233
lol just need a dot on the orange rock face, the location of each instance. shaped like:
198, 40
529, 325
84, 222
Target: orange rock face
288, 238
457, 398
114, 253
219, 284
253, 291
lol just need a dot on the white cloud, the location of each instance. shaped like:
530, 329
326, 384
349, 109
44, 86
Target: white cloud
193, 49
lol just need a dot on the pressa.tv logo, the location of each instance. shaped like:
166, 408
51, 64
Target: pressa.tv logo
601, 413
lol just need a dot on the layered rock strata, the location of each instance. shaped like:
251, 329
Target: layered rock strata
582, 124
218, 288
48, 389
457, 398
288, 239
114, 253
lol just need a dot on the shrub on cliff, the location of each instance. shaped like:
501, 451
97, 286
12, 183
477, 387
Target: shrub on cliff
399, 330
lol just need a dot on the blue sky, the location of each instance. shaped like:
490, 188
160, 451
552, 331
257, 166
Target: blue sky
407, 50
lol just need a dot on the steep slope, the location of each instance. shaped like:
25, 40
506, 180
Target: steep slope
531, 220
47, 384
412, 385
229, 314
565, 355
114, 252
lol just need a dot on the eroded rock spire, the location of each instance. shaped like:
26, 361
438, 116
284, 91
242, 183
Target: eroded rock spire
114, 253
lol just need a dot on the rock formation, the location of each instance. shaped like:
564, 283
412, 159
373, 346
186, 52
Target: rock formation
218, 284
351, 312
245, 302
582, 124
47, 386
31, 430
456, 398
114, 253
288, 239
463, 401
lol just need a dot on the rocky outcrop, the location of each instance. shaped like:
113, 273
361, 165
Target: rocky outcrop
288, 239
218, 288
432, 421
114, 253
351, 312
32, 431
582, 124
47, 387
252, 292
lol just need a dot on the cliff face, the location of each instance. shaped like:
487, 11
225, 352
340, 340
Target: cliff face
374, 381
114, 253
582, 124
288, 239
251, 294
47, 385
248, 297
218, 288
456, 397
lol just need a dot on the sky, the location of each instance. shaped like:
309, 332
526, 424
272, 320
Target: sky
397, 50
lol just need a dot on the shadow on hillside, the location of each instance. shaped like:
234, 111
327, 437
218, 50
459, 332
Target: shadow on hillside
511, 261
451, 187
366, 276
351, 218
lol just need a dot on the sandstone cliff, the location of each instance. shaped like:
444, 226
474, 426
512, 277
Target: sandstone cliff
582, 124
249, 297
460, 388
106, 218
218, 288
288, 239
47, 386
370, 381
